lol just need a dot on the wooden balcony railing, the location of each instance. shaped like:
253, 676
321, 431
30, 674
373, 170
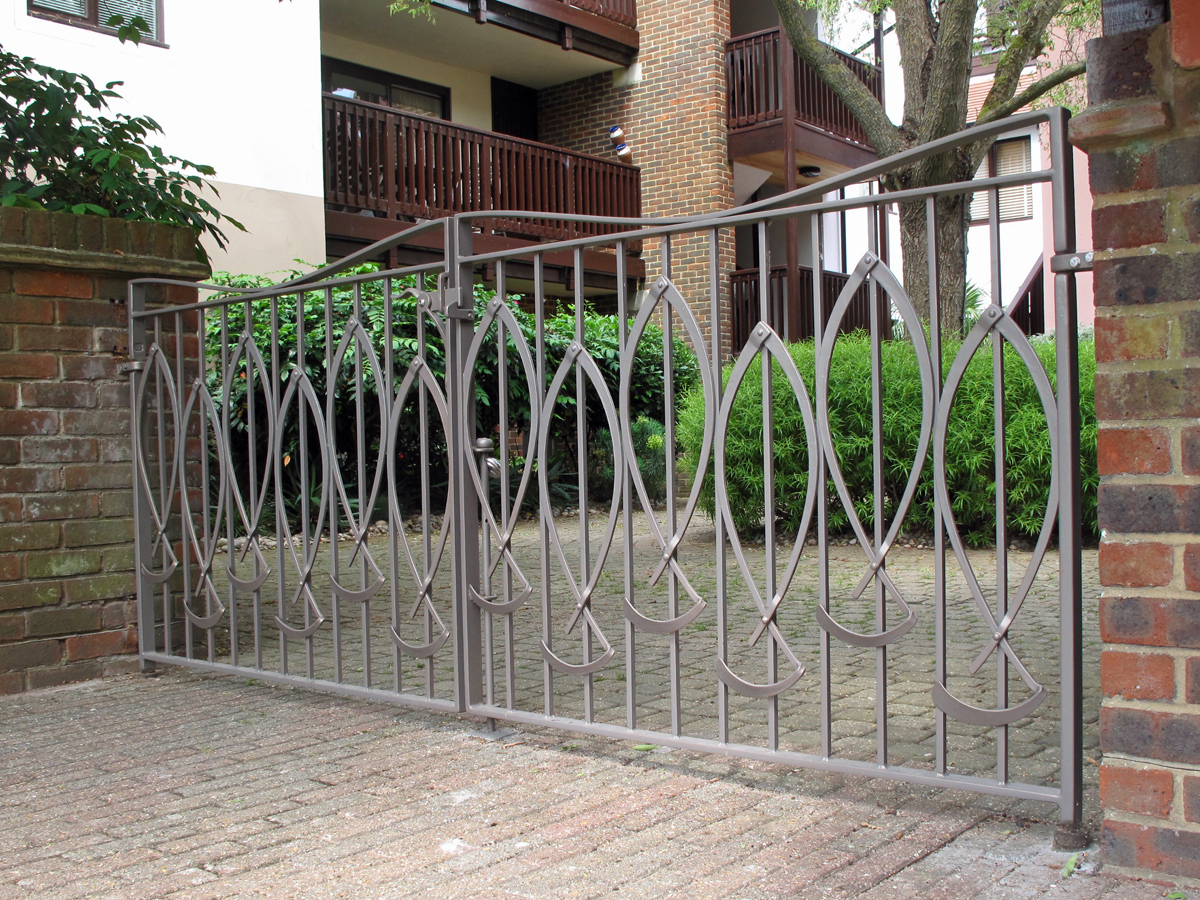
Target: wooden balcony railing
624, 12
404, 166
754, 72
796, 324
1030, 310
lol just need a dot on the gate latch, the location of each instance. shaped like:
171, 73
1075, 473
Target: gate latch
455, 307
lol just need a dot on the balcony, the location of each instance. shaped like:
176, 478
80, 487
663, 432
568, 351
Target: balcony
384, 166
794, 321
826, 134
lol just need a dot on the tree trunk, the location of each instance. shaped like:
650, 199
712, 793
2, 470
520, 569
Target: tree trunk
951, 260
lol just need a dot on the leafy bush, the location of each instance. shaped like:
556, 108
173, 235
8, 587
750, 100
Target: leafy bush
649, 442
55, 156
970, 452
602, 338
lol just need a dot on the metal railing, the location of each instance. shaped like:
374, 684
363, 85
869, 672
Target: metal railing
754, 73
316, 504
405, 166
793, 323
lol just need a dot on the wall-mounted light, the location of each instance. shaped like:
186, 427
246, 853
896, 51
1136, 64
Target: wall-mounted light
809, 171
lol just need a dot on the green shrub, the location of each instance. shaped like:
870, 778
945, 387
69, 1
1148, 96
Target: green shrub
602, 334
969, 446
649, 442
55, 156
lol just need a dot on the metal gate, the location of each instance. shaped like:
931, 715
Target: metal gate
348, 482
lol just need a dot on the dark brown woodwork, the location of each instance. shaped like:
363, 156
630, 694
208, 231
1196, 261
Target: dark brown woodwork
400, 166
603, 28
1029, 309
765, 77
793, 320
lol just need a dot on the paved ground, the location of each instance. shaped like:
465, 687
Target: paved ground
196, 786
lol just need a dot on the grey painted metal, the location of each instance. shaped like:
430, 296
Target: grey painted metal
412, 616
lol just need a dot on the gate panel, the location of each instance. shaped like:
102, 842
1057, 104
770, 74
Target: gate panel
381, 499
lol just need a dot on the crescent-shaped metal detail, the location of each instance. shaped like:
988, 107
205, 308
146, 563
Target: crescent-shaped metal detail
498, 313
204, 545
764, 340
668, 295
577, 356
995, 319
871, 266
158, 366
419, 376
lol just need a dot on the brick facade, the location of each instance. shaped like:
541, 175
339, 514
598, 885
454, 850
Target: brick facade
1142, 132
66, 527
674, 119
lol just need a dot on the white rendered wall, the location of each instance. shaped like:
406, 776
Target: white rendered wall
237, 87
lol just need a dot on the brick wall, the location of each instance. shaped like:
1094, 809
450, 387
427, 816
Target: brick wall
675, 121
66, 528
1142, 132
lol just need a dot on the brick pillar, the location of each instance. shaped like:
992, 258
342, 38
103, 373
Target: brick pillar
675, 121
1142, 132
66, 528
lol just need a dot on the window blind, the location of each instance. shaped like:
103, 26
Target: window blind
1011, 157
71, 7
147, 9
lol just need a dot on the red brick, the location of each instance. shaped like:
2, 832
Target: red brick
91, 312
6, 337
1129, 225
10, 509
1121, 338
10, 451
29, 653
53, 337
1137, 676
16, 537
100, 587
12, 683
1156, 622
1155, 394
40, 283
12, 628
8, 395
10, 567
1146, 792
28, 479
1191, 450
1191, 567
96, 422
91, 368
1149, 279
1167, 736
68, 674
1149, 508
72, 620
1185, 35
1143, 564
1164, 852
60, 450
59, 394
62, 563
27, 310
1191, 798
77, 505
28, 421
28, 365
91, 646
98, 477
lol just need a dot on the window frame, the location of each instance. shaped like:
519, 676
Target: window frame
357, 70
91, 21
991, 164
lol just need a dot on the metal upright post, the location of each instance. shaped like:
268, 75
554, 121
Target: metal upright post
143, 536
460, 328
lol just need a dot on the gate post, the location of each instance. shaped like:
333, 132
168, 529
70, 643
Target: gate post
460, 326
142, 534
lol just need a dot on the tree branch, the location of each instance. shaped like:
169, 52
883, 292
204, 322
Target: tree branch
1027, 43
1031, 93
883, 135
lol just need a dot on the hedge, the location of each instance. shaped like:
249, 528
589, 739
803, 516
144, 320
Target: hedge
970, 451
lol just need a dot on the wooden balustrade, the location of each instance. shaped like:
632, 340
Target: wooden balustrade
405, 166
1029, 312
796, 324
624, 12
754, 72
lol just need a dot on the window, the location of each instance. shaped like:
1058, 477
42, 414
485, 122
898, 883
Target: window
95, 14
1008, 157
355, 82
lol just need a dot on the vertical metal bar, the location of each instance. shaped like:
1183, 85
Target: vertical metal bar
142, 509
364, 515
581, 438
939, 530
163, 505
272, 395
506, 514
230, 531
714, 300
997, 343
1066, 335
483, 450
768, 442
623, 314
881, 685
395, 521
335, 550
822, 500
460, 325
280, 508
426, 499
201, 353
539, 300
179, 452
672, 513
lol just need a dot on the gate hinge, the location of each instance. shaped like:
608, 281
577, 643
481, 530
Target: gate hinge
455, 307
1080, 261
136, 365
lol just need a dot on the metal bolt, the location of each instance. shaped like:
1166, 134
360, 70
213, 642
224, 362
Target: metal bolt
1074, 262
